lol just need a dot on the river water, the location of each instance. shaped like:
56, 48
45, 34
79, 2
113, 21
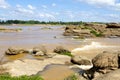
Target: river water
51, 36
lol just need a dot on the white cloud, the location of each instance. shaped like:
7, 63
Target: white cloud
53, 4
44, 6
46, 15
31, 7
113, 15
21, 10
1, 18
4, 4
113, 4
100, 2
70, 14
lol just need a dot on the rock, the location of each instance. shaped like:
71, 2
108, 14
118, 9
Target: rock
15, 51
61, 50
80, 60
39, 51
113, 75
106, 61
113, 25
69, 31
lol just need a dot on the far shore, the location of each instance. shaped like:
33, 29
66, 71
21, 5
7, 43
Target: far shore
30, 25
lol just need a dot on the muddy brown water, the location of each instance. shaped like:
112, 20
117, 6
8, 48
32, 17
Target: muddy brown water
50, 37
56, 72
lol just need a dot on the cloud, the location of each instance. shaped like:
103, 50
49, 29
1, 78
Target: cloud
46, 15
31, 7
70, 14
114, 15
44, 6
22, 10
4, 4
111, 4
1, 18
53, 4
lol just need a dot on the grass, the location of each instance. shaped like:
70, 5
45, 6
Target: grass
2, 29
67, 53
24, 77
62, 51
72, 77
96, 33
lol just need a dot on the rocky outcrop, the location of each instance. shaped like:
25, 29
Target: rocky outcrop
97, 27
106, 61
113, 25
77, 31
93, 30
15, 51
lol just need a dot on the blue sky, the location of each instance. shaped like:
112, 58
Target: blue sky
61, 10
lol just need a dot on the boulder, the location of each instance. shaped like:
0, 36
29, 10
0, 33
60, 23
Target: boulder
61, 50
39, 51
113, 75
80, 60
15, 51
106, 61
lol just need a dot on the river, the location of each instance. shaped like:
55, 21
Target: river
50, 37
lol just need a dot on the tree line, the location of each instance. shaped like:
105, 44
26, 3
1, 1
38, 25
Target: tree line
39, 22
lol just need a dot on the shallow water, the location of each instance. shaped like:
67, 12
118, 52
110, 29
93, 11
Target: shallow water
56, 72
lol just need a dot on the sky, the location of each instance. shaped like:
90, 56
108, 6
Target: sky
61, 10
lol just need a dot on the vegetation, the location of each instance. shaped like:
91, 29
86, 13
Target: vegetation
62, 51
67, 53
72, 77
8, 77
96, 33
39, 22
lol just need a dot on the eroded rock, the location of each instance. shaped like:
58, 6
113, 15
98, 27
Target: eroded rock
80, 60
39, 51
15, 51
106, 61
61, 50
